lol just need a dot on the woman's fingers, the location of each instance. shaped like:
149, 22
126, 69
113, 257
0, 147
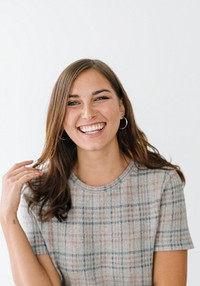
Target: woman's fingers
20, 174
26, 175
16, 180
17, 171
19, 165
19, 168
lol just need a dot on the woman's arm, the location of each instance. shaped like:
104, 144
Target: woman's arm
170, 268
27, 269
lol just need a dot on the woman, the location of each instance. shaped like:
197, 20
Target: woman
105, 208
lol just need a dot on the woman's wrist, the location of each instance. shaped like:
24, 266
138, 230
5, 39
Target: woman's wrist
8, 218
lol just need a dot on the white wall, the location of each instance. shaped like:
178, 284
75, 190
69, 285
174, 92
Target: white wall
153, 46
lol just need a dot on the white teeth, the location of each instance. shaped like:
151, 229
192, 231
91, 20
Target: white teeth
92, 128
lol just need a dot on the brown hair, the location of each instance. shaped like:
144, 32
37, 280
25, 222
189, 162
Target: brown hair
52, 189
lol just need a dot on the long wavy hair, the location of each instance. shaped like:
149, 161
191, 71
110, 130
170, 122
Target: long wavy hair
51, 191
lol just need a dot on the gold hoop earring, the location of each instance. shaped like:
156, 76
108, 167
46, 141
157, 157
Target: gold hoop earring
63, 139
126, 123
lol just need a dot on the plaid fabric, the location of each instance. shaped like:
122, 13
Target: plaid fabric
112, 231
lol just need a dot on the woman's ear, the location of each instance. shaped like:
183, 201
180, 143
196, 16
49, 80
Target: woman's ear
122, 108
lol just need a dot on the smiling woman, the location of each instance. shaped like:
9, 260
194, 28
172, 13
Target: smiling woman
104, 208
93, 114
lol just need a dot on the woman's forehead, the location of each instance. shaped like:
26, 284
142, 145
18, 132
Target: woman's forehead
90, 80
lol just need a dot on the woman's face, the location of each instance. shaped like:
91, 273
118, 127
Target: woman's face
93, 112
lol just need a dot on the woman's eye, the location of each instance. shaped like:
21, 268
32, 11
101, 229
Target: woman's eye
101, 98
72, 103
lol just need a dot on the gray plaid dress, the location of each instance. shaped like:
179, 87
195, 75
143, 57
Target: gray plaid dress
112, 231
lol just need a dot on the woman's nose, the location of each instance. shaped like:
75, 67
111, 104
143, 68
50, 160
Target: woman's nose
88, 111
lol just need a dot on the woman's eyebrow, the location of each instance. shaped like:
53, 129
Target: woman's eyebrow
93, 93
100, 90
73, 95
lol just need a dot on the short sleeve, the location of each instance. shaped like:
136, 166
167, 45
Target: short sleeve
172, 232
32, 229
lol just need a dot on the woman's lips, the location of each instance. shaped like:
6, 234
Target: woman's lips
93, 128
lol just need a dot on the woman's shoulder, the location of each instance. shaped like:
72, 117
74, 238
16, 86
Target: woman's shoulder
164, 174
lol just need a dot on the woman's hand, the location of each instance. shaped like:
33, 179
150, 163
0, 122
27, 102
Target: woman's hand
27, 269
12, 184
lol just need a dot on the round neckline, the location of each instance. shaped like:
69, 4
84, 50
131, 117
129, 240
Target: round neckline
105, 187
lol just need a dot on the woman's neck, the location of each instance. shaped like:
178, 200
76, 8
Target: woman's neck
97, 168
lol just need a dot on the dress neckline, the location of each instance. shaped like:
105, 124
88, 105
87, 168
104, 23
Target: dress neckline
120, 179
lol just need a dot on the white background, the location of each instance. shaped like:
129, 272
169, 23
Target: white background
153, 46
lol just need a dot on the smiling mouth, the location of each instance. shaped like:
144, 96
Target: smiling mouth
92, 129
